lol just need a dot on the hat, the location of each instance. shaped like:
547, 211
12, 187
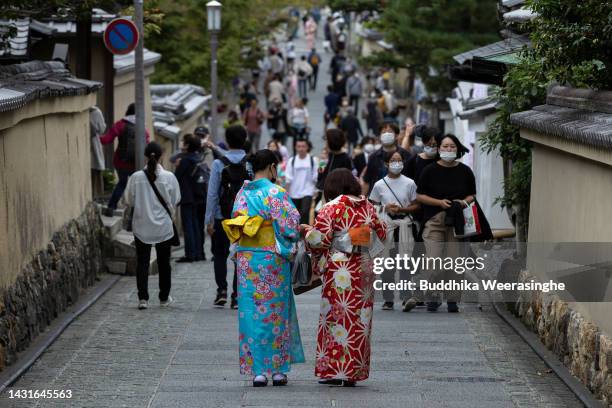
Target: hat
201, 130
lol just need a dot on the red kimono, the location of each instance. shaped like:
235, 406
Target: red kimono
345, 321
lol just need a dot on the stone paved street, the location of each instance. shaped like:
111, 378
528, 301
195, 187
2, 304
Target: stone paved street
187, 356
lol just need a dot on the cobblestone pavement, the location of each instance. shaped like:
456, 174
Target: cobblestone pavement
187, 356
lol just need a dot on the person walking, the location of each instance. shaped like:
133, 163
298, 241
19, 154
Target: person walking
376, 169
269, 332
202, 134
304, 71
336, 156
418, 162
253, 119
192, 196
124, 158
332, 105
298, 119
226, 178
354, 89
314, 59
301, 177
153, 193
276, 91
310, 29
352, 128
443, 185
397, 194
345, 320
361, 160
373, 115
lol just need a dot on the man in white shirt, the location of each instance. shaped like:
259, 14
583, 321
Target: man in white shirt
304, 71
301, 177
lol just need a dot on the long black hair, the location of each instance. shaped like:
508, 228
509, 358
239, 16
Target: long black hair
153, 152
461, 149
261, 159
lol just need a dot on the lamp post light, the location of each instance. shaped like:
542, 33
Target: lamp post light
213, 11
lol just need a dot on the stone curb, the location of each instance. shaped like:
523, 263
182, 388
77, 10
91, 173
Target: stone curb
581, 392
46, 339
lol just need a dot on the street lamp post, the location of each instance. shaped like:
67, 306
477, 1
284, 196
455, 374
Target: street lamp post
213, 11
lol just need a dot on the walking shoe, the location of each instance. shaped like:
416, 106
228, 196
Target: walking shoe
220, 300
260, 381
387, 306
167, 302
279, 379
452, 307
433, 306
143, 304
409, 305
108, 212
330, 381
347, 383
184, 259
234, 303
420, 304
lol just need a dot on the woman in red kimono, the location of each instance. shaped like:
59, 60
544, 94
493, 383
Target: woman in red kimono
345, 321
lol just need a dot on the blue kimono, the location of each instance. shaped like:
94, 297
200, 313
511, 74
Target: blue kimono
263, 232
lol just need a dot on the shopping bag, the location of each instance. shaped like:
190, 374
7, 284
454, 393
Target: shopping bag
471, 222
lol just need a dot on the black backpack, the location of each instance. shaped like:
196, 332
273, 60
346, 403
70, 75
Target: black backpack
200, 175
127, 143
233, 176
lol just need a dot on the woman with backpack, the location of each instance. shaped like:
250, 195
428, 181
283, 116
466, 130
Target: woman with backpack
264, 230
192, 197
153, 193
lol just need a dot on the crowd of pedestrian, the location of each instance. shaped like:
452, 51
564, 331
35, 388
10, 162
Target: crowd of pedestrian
342, 209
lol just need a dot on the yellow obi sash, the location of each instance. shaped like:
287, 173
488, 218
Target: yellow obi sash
251, 231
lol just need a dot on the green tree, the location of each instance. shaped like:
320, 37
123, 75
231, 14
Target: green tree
427, 34
184, 42
571, 45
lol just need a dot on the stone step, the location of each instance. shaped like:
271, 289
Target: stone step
122, 259
112, 225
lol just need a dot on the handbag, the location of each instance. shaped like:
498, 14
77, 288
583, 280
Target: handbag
175, 240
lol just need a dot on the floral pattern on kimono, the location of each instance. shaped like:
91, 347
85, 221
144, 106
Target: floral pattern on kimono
345, 320
268, 327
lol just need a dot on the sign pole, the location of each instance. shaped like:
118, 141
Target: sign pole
139, 97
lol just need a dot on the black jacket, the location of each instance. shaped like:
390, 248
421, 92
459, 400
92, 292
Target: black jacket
352, 128
190, 190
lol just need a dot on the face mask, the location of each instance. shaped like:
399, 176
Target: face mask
418, 142
396, 167
377, 146
387, 138
448, 156
368, 148
430, 151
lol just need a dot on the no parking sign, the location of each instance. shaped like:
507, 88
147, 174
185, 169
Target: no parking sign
121, 36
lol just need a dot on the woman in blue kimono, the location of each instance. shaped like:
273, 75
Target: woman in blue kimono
263, 233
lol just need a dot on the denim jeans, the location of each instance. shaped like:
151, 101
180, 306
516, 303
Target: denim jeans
191, 231
119, 188
303, 87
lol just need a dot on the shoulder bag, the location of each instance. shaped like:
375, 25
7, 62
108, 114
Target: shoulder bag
175, 240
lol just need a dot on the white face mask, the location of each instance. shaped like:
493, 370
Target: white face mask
387, 138
396, 167
377, 146
368, 148
448, 156
418, 142
430, 151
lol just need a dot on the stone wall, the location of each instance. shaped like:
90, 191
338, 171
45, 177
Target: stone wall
577, 341
50, 283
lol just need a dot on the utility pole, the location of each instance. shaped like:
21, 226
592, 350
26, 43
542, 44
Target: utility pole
139, 97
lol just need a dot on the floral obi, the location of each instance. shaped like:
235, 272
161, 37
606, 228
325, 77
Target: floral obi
250, 231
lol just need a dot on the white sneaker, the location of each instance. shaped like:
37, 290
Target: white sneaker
167, 302
143, 304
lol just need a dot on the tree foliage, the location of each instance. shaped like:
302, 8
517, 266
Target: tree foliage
427, 34
571, 45
184, 41
356, 5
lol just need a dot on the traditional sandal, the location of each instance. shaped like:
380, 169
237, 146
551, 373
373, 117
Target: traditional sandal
260, 381
279, 379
